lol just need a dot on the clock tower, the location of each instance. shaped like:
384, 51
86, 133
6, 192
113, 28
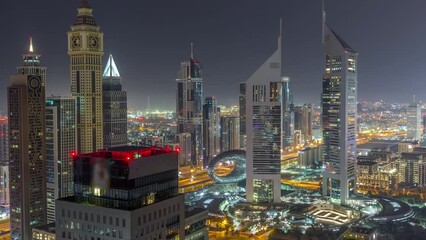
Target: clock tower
85, 48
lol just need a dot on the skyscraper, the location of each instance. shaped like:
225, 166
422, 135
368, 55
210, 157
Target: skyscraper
414, 121
308, 120
85, 48
211, 130
189, 97
242, 100
339, 102
27, 147
423, 139
61, 141
114, 107
287, 130
123, 193
263, 129
229, 133
303, 121
185, 148
4, 161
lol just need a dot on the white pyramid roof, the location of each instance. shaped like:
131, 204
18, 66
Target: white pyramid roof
111, 69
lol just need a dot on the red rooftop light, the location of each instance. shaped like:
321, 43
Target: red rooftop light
128, 155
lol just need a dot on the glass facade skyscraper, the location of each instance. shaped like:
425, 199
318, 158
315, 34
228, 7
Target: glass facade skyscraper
211, 130
114, 101
230, 133
189, 105
263, 128
339, 103
61, 144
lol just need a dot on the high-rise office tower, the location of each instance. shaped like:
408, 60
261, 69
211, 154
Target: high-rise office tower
27, 147
303, 121
339, 103
229, 133
4, 161
263, 129
211, 130
114, 107
423, 139
123, 193
287, 131
308, 121
242, 100
189, 104
298, 125
414, 121
61, 144
298, 112
85, 48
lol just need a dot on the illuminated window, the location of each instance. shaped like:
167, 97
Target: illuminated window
97, 192
150, 198
351, 64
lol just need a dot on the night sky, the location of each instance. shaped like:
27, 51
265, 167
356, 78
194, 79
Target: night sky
149, 39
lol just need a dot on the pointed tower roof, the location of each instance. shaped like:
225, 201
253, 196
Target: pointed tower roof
342, 42
326, 29
84, 4
31, 58
111, 69
85, 14
271, 69
31, 45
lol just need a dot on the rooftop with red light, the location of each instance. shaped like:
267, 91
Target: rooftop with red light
126, 153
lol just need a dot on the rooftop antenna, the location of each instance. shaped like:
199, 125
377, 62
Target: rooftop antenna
414, 98
192, 50
324, 19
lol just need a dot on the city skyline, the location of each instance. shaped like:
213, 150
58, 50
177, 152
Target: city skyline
295, 154
301, 32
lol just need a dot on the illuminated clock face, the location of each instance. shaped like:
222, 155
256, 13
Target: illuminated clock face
93, 42
76, 42
34, 83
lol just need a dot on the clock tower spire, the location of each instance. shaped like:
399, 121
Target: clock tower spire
85, 48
